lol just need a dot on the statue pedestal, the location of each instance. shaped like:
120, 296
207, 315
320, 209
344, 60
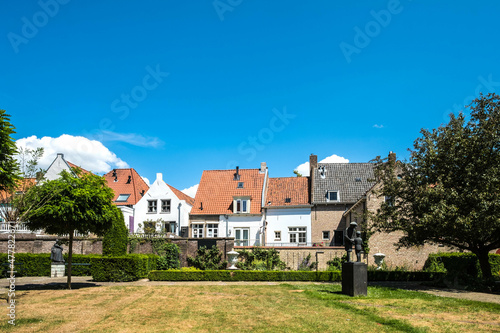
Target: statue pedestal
57, 270
354, 278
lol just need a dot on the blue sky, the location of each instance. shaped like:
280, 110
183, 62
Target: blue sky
178, 87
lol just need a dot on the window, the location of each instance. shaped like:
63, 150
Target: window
152, 206
277, 235
197, 230
297, 234
241, 206
212, 230
168, 226
241, 236
288, 200
165, 206
338, 237
123, 198
326, 235
357, 180
240, 185
332, 196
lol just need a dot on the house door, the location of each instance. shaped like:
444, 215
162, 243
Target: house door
241, 236
131, 224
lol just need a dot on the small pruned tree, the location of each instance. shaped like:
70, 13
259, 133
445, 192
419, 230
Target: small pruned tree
449, 190
115, 240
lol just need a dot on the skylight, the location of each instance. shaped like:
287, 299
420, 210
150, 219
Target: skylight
123, 198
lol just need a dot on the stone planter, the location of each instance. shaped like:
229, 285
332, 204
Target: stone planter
233, 259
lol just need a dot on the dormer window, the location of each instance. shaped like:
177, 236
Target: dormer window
241, 205
240, 185
332, 196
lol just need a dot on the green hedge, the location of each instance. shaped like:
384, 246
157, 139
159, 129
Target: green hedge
382, 275
241, 275
39, 264
462, 265
131, 267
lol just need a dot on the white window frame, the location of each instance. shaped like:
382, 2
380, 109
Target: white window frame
277, 235
152, 206
198, 230
212, 230
241, 205
171, 225
241, 241
328, 196
323, 235
295, 234
167, 203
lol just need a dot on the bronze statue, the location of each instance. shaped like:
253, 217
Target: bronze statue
358, 246
349, 239
56, 253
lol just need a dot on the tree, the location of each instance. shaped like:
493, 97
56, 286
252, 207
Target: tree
449, 190
9, 171
81, 203
115, 240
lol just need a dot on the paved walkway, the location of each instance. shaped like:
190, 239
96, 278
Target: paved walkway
78, 282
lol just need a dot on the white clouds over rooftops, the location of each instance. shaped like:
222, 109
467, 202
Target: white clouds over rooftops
191, 191
89, 154
303, 169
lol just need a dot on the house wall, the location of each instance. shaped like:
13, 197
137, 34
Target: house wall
56, 168
282, 219
158, 191
326, 218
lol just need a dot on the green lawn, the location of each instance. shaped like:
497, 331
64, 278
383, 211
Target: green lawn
246, 308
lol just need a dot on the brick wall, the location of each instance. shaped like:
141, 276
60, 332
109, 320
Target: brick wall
326, 218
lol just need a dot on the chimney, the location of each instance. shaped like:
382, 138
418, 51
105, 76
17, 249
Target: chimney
159, 176
237, 174
129, 180
60, 154
313, 165
392, 157
263, 167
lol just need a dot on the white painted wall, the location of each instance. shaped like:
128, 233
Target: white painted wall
281, 219
254, 223
57, 167
159, 190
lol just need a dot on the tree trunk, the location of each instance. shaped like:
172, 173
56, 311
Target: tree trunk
484, 263
70, 257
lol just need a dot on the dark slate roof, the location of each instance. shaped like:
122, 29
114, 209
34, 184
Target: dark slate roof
342, 177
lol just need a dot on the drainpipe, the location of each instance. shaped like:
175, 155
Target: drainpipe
227, 225
179, 227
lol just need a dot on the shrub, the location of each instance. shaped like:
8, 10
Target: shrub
335, 264
207, 259
115, 240
168, 252
383, 275
260, 259
307, 265
131, 267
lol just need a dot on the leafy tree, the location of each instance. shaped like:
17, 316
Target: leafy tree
115, 240
297, 173
449, 190
81, 203
9, 170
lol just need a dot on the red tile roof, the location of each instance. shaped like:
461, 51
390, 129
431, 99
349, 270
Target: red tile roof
182, 195
22, 186
295, 189
74, 166
218, 188
121, 185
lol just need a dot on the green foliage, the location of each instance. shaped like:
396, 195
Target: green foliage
399, 275
461, 268
260, 259
131, 267
307, 265
207, 259
9, 170
169, 255
240, 275
115, 240
447, 193
335, 264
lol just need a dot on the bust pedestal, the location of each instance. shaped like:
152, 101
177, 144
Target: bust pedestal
57, 270
354, 278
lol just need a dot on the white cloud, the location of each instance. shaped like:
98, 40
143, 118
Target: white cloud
303, 169
132, 138
191, 191
378, 126
91, 155
146, 180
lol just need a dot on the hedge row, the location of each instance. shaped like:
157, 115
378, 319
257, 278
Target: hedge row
131, 267
460, 264
39, 264
240, 275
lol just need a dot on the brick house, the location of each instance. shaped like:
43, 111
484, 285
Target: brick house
229, 203
287, 212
